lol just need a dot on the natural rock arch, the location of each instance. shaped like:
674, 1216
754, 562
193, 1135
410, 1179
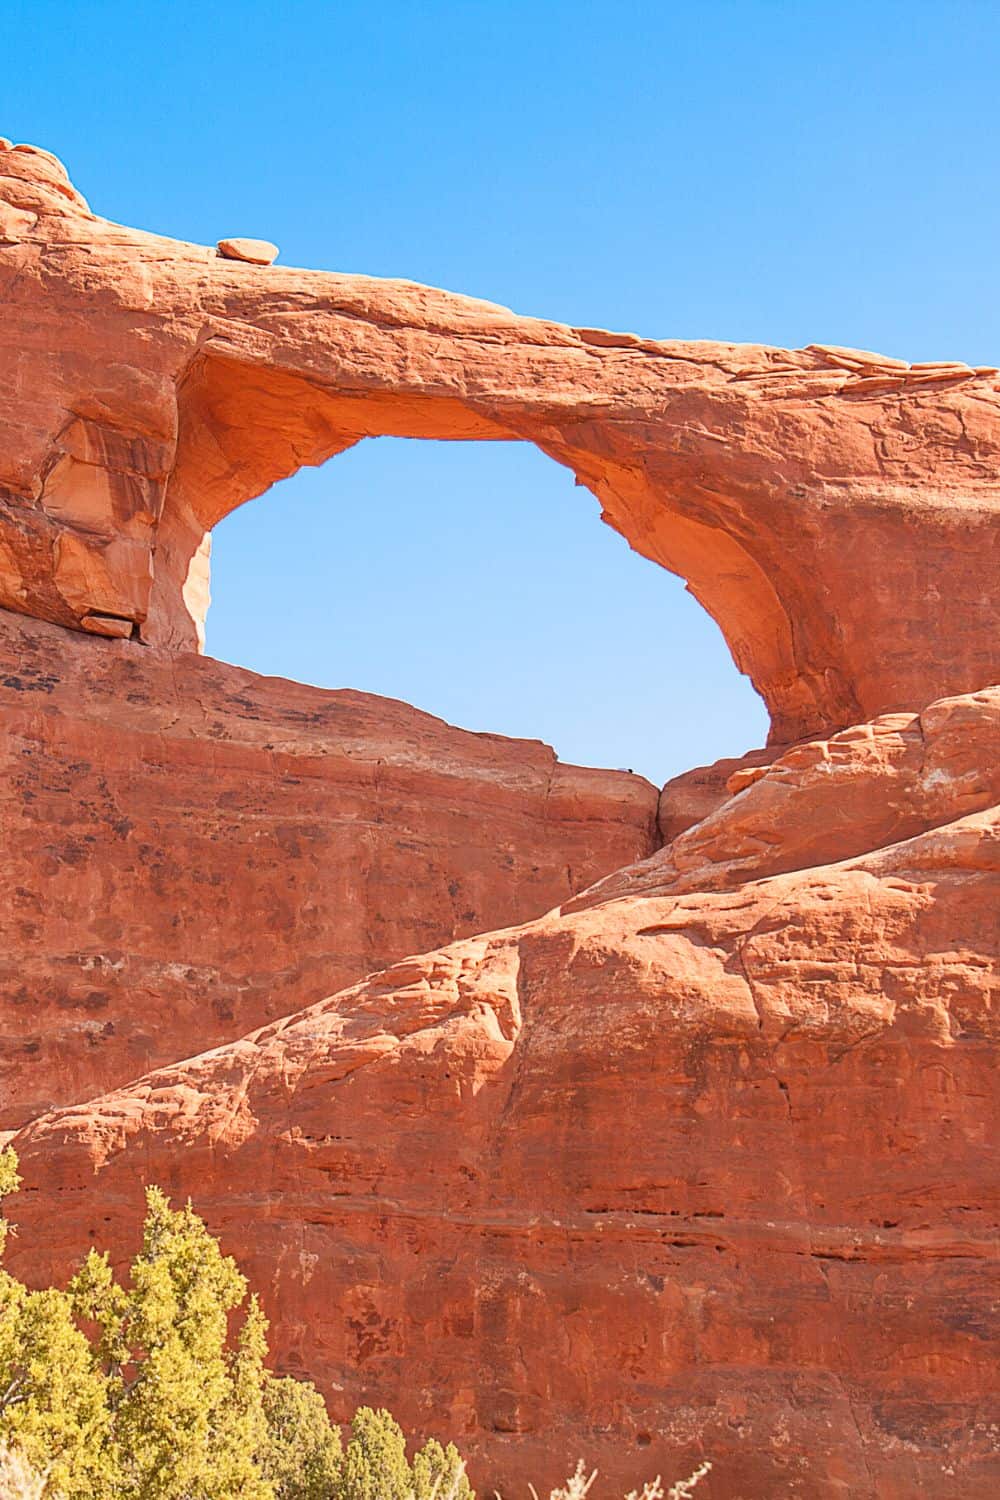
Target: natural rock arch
243, 426
791, 489
706, 1143
241, 432
473, 578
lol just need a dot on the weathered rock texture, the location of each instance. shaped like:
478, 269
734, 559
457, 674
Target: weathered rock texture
697, 1170
701, 1163
833, 510
191, 850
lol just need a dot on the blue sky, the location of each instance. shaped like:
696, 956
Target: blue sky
786, 173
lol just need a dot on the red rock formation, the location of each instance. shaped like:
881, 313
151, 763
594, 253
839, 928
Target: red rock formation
827, 800
700, 1163
693, 795
816, 500
666, 1176
191, 850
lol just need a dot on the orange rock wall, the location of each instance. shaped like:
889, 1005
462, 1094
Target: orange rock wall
817, 501
700, 1164
191, 850
669, 1176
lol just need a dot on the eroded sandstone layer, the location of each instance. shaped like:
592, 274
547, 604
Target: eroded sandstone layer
191, 850
707, 1168
702, 1163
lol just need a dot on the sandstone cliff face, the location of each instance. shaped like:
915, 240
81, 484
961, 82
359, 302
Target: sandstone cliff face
699, 1163
665, 1175
191, 850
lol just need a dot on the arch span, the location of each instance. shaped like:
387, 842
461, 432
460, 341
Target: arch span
244, 426
834, 511
472, 578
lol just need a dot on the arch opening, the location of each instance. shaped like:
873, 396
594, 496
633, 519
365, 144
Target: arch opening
244, 426
499, 606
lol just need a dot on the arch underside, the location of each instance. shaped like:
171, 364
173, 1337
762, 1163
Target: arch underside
835, 511
244, 426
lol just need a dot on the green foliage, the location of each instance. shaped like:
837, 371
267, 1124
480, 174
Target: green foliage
374, 1465
9, 1183
52, 1400
187, 1415
301, 1454
141, 1392
439, 1473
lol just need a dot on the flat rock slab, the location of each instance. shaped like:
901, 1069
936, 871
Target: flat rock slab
257, 252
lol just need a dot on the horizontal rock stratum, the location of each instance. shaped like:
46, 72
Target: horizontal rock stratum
191, 850
699, 1163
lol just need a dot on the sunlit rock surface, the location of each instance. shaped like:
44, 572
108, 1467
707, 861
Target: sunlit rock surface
191, 850
700, 1163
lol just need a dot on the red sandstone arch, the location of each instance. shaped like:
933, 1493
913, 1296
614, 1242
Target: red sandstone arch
242, 428
803, 1019
834, 511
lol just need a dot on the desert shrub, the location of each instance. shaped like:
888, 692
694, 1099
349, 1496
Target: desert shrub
301, 1453
159, 1390
52, 1406
439, 1473
374, 1465
578, 1485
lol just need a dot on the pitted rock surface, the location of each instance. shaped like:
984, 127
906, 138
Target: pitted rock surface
700, 1163
191, 850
